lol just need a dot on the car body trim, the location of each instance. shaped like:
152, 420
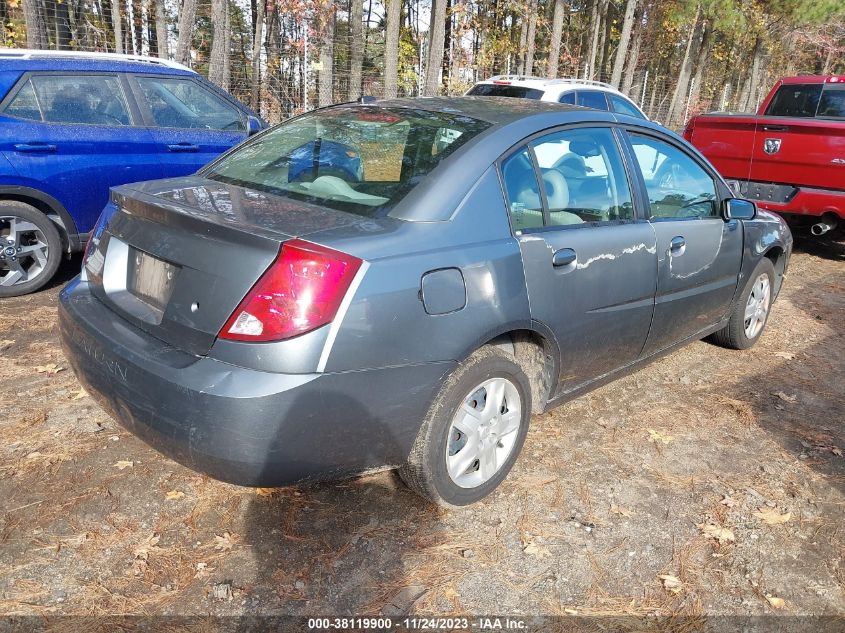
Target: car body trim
341, 314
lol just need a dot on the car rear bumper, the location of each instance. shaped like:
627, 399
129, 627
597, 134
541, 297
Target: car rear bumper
240, 425
799, 201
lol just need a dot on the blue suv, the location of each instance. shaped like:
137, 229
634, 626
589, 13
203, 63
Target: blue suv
72, 125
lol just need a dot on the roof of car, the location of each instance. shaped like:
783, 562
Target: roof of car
29, 59
495, 110
545, 83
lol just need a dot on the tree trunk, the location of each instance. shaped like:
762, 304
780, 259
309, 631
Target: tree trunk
624, 39
748, 99
679, 95
36, 28
531, 37
391, 48
62, 26
117, 26
604, 44
554, 43
356, 49
523, 41
219, 44
447, 48
634, 57
701, 64
161, 30
187, 16
257, 37
324, 96
434, 60
599, 8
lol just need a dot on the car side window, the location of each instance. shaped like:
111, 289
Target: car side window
184, 103
622, 106
678, 187
567, 97
583, 177
525, 204
592, 99
86, 99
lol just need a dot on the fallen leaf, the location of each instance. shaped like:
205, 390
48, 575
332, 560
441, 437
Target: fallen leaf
659, 437
672, 584
625, 512
772, 516
266, 492
123, 464
791, 399
785, 355
49, 368
173, 495
569, 611
727, 501
533, 549
225, 542
723, 535
777, 603
79, 395
5, 344
836, 451
33, 455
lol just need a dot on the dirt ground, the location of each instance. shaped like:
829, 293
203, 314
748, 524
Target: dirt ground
711, 482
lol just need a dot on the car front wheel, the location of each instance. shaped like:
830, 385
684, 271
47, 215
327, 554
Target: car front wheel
30, 249
473, 432
751, 312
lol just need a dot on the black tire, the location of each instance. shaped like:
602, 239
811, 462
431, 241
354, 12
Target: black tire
733, 335
425, 471
51, 236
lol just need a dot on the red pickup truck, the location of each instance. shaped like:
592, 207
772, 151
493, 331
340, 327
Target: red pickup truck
790, 157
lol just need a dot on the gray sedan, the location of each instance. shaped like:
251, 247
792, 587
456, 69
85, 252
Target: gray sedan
402, 284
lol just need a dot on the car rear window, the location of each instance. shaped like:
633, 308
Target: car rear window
832, 103
500, 90
359, 159
796, 100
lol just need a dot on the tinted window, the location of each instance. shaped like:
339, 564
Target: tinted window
832, 104
623, 106
361, 159
183, 103
567, 97
92, 99
583, 177
592, 99
497, 90
800, 100
524, 202
678, 187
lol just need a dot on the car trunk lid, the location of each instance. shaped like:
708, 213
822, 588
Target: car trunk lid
178, 256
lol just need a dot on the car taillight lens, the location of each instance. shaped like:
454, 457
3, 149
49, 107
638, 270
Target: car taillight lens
300, 291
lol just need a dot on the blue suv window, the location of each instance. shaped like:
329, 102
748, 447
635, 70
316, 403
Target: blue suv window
183, 103
92, 100
592, 99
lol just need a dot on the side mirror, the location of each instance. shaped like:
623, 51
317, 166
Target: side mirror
254, 124
739, 209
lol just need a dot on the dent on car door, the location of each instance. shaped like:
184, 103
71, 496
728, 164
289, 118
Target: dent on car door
589, 261
73, 135
190, 124
698, 253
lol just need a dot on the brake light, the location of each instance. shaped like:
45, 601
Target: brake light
300, 291
688, 130
502, 83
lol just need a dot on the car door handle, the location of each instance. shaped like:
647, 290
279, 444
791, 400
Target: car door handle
34, 147
183, 147
563, 257
775, 128
678, 245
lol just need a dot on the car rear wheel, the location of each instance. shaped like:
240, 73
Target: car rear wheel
473, 432
30, 249
751, 312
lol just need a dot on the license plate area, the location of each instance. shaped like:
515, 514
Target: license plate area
150, 279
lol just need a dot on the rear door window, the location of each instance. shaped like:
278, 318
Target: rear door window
184, 103
795, 100
592, 99
567, 97
525, 205
72, 99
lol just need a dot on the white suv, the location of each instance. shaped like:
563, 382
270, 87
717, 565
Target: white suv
582, 92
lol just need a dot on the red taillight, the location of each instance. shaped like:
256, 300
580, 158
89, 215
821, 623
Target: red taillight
300, 291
